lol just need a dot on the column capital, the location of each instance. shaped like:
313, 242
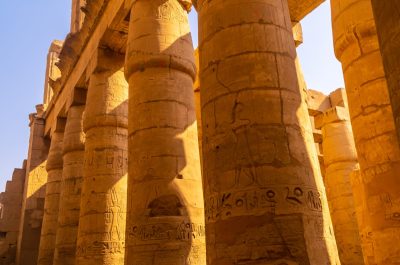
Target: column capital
332, 115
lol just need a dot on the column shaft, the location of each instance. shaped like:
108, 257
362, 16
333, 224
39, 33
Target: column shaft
34, 193
49, 228
165, 213
340, 159
387, 17
71, 186
101, 232
264, 197
357, 47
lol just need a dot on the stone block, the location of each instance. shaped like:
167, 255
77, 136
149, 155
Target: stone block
330, 116
317, 102
300, 8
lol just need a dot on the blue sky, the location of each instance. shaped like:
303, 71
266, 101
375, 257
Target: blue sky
27, 28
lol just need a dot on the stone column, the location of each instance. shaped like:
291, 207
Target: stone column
356, 46
340, 159
71, 186
165, 214
387, 17
264, 196
34, 192
101, 232
49, 228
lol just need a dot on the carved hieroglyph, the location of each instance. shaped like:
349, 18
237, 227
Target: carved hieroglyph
49, 227
340, 159
165, 222
357, 47
71, 186
264, 200
101, 232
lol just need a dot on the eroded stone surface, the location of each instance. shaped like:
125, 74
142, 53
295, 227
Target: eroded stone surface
340, 158
165, 214
387, 17
101, 232
264, 201
356, 46
34, 193
71, 186
49, 227
10, 215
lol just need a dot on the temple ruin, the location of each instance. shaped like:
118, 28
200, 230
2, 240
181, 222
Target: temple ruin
146, 151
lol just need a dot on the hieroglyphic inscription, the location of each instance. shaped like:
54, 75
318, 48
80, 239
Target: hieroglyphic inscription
112, 159
100, 248
260, 201
114, 216
392, 207
184, 231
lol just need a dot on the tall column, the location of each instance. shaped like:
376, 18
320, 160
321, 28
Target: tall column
71, 186
264, 196
34, 192
340, 159
387, 17
49, 228
356, 46
101, 232
165, 214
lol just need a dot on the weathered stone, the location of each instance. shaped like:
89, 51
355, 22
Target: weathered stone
298, 9
10, 215
101, 232
34, 193
52, 71
49, 227
77, 15
165, 215
297, 33
71, 186
265, 201
340, 158
356, 46
387, 17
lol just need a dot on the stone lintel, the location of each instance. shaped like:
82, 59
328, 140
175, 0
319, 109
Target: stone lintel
300, 8
317, 102
332, 115
84, 44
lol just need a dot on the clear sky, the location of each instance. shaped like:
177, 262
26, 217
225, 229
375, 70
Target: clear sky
27, 28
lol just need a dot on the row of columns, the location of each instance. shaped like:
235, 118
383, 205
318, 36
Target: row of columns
264, 198
357, 48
